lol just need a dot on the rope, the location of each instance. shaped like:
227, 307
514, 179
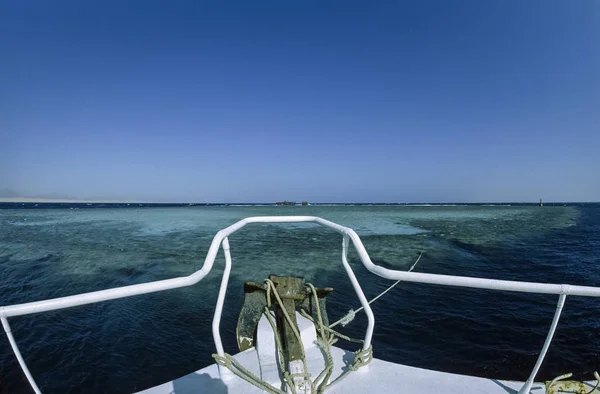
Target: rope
344, 321
277, 339
597, 383
324, 343
330, 330
568, 375
238, 369
234, 366
271, 287
288, 377
361, 358
328, 337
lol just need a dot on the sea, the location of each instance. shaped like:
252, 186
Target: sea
127, 345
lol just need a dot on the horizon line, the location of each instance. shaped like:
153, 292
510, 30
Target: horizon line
32, 200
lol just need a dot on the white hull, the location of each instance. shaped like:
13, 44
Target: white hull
377, 377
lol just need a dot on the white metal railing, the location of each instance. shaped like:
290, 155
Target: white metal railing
221, 238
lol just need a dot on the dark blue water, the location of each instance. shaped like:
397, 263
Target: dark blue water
131, 344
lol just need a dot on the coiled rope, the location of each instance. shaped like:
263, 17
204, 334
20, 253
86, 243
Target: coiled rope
568, 375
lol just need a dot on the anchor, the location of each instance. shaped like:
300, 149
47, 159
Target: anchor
294, 295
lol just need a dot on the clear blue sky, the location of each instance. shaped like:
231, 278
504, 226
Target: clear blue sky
325, 101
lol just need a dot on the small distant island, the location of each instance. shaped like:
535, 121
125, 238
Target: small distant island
290, 203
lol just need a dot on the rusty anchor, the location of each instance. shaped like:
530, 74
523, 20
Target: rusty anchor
294, 295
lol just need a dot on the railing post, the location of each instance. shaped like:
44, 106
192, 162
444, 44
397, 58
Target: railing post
223, 372
359, 293
559, 306
15, 349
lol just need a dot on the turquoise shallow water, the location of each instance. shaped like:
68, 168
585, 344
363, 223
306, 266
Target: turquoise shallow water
127, 345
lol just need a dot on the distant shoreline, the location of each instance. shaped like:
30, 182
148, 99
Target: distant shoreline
65, 200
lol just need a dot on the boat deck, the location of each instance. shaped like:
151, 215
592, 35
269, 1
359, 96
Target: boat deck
378, 377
